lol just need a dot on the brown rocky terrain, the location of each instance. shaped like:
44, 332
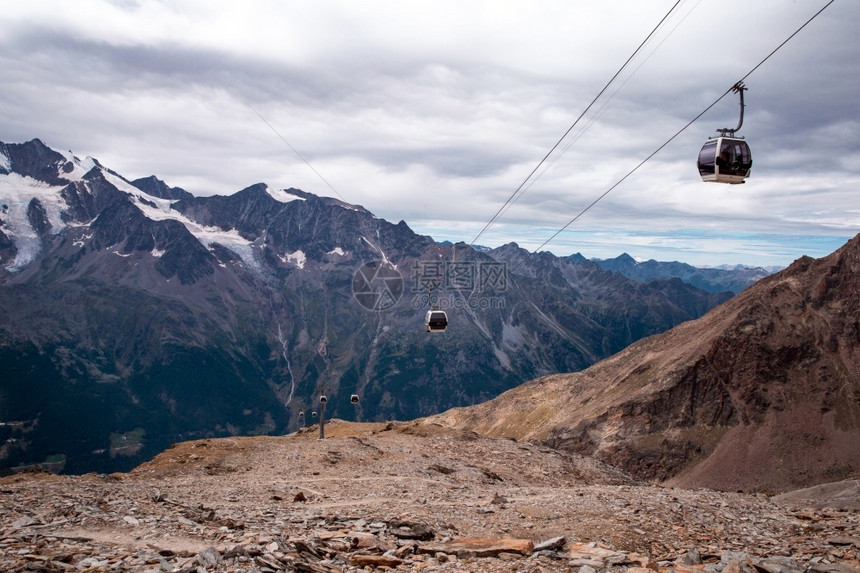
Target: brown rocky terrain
408, 497
760, 394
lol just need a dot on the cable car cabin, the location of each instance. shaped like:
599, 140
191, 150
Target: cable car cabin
436, 321
725, 160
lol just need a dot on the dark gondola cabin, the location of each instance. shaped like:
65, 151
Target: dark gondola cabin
725, 160
436, 321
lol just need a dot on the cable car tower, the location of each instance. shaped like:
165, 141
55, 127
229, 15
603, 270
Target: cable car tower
726, 158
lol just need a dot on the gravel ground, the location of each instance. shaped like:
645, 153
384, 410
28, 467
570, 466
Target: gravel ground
405, 497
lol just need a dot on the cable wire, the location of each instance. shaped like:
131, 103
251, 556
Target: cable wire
598, 113
680, 131
299, 154
593, 101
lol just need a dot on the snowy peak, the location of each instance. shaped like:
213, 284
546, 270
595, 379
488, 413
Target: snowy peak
31, 202
44, 192
155, 187
283, 195
35, 160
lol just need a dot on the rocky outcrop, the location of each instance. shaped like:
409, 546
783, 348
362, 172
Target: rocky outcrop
155, 187
7, 249
34, 159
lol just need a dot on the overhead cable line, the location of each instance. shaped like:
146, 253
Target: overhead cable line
680, 131
593, 101
299, 154
602, 108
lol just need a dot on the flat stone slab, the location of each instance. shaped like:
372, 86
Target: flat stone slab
360, 560
480, 547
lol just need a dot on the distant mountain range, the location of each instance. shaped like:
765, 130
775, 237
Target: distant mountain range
733, 278
760, 394
134, 314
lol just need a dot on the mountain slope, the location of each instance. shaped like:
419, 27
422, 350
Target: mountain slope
763, 392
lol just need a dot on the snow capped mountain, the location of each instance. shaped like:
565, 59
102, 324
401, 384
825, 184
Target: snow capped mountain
20, 194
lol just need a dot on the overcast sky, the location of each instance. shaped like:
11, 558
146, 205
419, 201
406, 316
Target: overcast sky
436, 112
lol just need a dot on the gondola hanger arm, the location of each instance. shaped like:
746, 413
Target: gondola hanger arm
739, 88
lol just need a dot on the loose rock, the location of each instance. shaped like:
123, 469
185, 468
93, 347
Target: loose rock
560, 513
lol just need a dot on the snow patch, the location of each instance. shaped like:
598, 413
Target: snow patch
82, 241
230, 240
348, 206
157, 253
380, 251
80, 167
298, 258
502, 357
5, 161
282, 196
123, 185
336, 251
512, 336
16, 192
